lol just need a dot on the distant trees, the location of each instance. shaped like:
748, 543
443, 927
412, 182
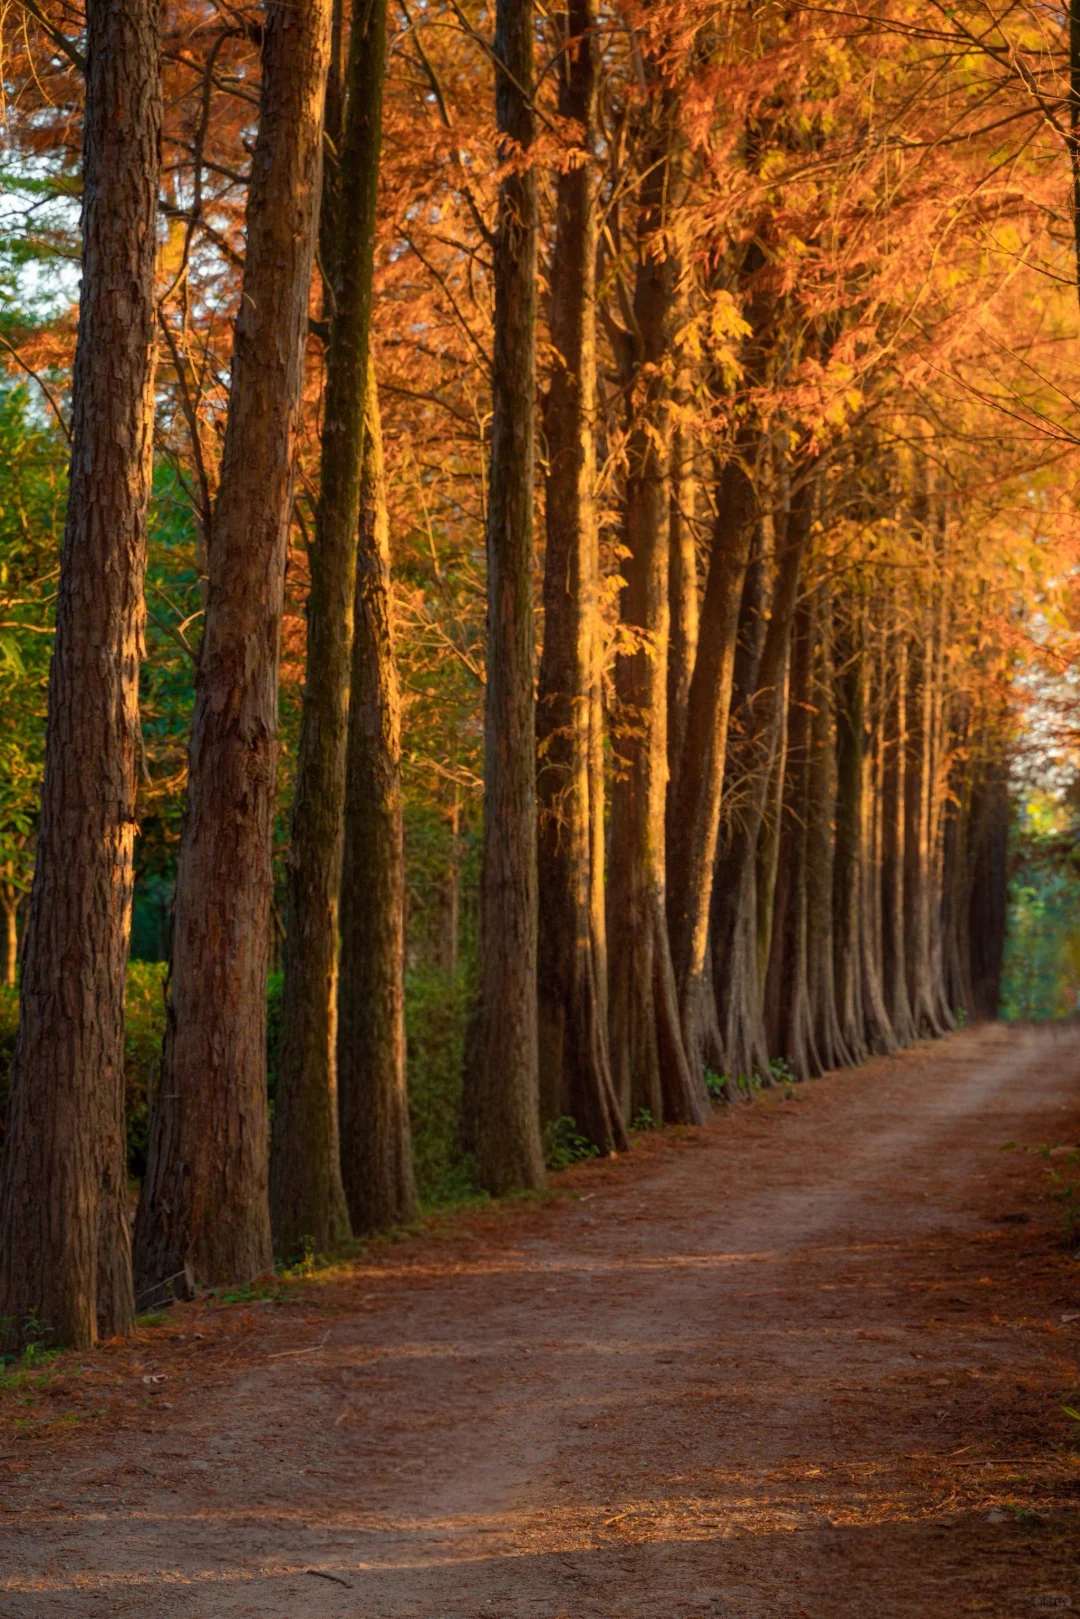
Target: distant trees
615, 538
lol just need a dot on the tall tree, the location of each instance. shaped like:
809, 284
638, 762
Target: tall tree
204, 1212
501, 1100
375, 1135
648, 1057
308, 1197
575, 1067
65, 1251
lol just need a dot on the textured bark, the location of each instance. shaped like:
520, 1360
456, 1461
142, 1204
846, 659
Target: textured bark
820, 850
648, 1057
694, 818
204, 1213
789, 1021
768, 847
864, 1024
376, 1151
879, 1031
957, 866
65, 1256
683, 595
501, 1081
736, 970
894, 798
919, 849
575, 1067
307, 1196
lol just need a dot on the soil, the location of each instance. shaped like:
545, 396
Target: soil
810, 1360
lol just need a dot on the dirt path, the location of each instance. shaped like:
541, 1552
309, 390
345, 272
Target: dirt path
808, 1361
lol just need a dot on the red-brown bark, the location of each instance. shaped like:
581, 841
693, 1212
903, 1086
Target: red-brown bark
65, 1255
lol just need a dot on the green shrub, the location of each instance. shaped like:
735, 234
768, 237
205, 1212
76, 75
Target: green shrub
564, 1144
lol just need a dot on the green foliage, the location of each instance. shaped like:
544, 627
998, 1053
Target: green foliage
33, 488
642, 1120
565, 1145
716, 1085
1041, 978
436, 1010
142, 1050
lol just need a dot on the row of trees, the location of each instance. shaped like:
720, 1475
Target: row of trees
744, 775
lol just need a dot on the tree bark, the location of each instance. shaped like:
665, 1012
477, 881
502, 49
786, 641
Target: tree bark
895, 741
683, 594
204, 1213
65, 1254
501, 1081
879, 1031
736, 970
307, 1196
789, 1021
649, 1060
694, 820
376, 1143
847, 863
575, 1067
9, 934
820, 852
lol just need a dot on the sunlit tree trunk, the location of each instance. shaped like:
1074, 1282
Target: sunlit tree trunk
737, 968
820, 849
204, 1213
649, 1060
575, 1067
376, 1148
694, 812
894, 796
878, 1029
307, 1196
501, 1080
789, 1021
683, 595
9, 932
65, 1252
847, 861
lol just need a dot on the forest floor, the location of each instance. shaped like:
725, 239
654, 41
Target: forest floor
807, 1361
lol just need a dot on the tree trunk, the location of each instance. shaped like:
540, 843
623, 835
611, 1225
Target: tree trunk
683, 595
9, 935
879, 1030
694, 820
820, 853
894, 798
647, 1052
575, 1067
918, 846
307, 1196
789, 1022
501, 1081
204, 1213
736, 970
847, 863
376, 1144
65, 1254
